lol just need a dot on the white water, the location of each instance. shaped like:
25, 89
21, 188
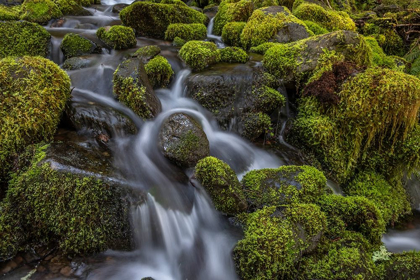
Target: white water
217, 39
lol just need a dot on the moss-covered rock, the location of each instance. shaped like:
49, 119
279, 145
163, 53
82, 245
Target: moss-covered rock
9, 13
273, 24
34, 93
132, 87
315, 27
199, 55
223, 186
233, 55
159, 71
284, 185
230, 11
71, 7
19, 38
403, 266
178, 42
75, 45
253, 125
146, 53
117, 37
231, 33
187, 32
263, 48
40, 11
152, 19
379, 58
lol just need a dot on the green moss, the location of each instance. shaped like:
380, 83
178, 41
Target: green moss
231, 33
178, 42
187, 32
263, 48
284, 185
34, 92
117, 37
328, 19
147, 52
403, 266
391, 200
199, 55
159, 71
70, 7
9, 13
233, 55
230, 11
152, 19
75, 45
222, 185
23, 38
267, 99
40, 11
255, 124
315, 27
379, 57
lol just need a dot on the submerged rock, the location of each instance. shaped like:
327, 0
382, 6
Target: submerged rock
76, 63
183, 141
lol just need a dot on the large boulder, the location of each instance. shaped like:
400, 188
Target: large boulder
183, 141
40, 11
19, 38
152, 19
132, 87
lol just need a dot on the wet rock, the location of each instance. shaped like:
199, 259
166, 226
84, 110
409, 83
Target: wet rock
118, 8
117, 37
76, 45
76, 63
183, 141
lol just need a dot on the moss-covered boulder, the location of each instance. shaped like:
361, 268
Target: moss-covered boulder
253, 125
199, 55
295, 60
183, 141
34, 93
187, 32
54, 201
159, 71
284, 185
152, 19
146, 53
273, 24
315, 27
222, 185
9, 13
117, 37
231, 33
230, 11
19, 38
75, 45
40, 11
233, 55
402, 266
132, 87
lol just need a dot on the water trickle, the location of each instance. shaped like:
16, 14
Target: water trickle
217, 39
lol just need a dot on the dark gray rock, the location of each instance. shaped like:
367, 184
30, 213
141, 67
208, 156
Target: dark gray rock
75, 63
291, 32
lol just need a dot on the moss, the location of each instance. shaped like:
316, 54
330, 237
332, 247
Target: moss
230, 11
147, 52
379, 57
187, 32
315, 27
23, 38
34, 92
199, 55
255, 124
9, 13
75, 45
233, 55
267, 99
178, 42
82, 214
329, 19
222, 185
40, 11
263, 48
403, 266
231, 33
284, 185
70, 7
391, 200
152, 19
264, 26
117, 37
159, 71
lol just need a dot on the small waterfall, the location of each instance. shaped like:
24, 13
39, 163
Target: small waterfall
217, 39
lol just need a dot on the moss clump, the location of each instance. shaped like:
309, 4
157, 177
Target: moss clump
402, 266
187, 32
391, 200
284, 185
34, 92
40, 11
19, 38
159, 71
379, 57
266, 24
147, 52
263, 48
75, 45
255, 124
9, 13
230, 11
82, 214
152, 19
199, 55
231, 33
329, 19
178, 42
71, 7
222, 185
117, 37
387, 37
315, 27
233, 55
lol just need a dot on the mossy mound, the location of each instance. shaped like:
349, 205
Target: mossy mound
152, 19
34, 93
117, 37
315, 27
255, 125
187, 32
378, 55
75, 45
328, 19
273, 24
199, 55
40, 11
19, 38
231, 33
233, 55
159, 71
178, 42
221, 183
402, 266
9, 13
263, 48
230, 11
284, 185
146, 53
391, 199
